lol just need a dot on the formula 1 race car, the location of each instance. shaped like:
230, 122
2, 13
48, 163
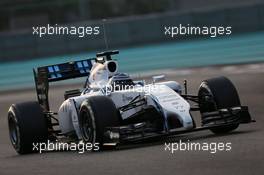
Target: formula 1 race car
113, 109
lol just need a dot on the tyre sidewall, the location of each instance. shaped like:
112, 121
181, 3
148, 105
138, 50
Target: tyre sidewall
31, 124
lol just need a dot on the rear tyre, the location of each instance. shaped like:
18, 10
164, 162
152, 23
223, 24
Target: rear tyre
218, 93
27, 125
97, 113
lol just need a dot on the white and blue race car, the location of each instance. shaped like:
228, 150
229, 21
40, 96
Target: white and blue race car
113, 109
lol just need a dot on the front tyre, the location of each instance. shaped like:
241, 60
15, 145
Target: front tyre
97, 113
27, 125
218, 93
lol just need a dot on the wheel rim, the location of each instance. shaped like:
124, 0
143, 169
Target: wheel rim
13, 130
206, 99
87, 126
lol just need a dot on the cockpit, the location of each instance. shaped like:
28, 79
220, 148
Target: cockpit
121, 81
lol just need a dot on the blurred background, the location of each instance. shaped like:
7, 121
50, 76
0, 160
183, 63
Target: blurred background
136, 28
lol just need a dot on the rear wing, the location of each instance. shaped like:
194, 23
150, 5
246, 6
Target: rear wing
58, 72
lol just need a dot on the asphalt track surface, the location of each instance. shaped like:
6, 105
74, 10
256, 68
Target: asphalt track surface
246, 156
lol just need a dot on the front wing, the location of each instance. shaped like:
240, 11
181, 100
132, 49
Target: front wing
215, 119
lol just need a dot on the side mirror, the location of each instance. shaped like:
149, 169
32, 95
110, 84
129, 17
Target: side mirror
158, 78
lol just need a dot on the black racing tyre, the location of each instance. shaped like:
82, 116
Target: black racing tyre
97, 113
27, 125
218, 93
